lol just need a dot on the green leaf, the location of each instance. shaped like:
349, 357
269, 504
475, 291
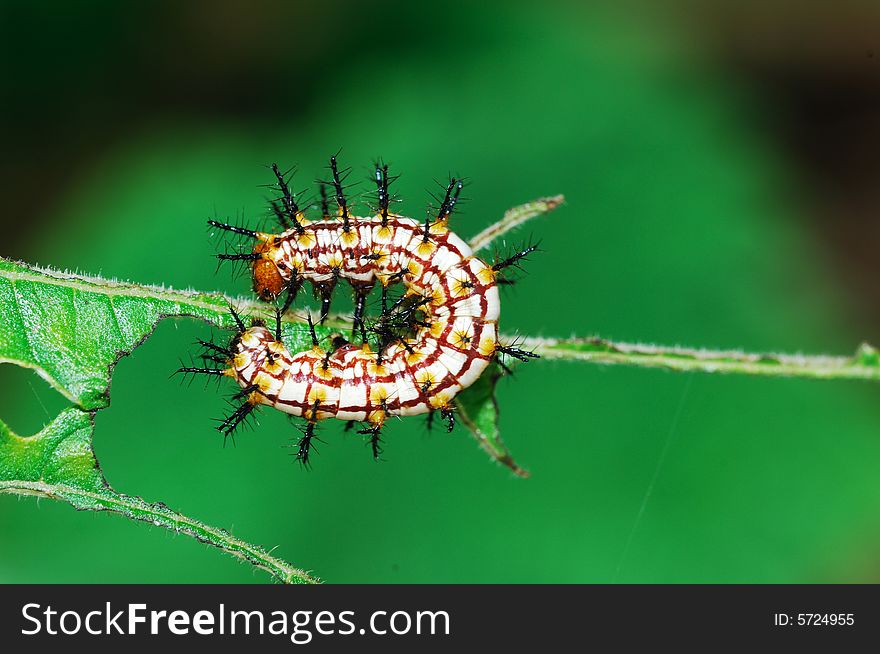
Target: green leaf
59, 456
513, 218
478, 410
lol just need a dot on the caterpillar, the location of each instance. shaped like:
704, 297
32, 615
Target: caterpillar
428, 344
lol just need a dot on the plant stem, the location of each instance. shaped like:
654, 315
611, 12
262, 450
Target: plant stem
513, 218
865, 364
160, 515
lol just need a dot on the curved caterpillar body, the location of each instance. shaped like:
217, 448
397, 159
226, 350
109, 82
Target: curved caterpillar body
451, 347
428, 344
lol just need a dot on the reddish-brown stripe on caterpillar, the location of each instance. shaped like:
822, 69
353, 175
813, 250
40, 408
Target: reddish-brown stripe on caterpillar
352, 383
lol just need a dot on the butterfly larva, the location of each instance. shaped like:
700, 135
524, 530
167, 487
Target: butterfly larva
429, 344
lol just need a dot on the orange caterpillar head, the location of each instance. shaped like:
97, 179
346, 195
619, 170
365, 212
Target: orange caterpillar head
268, 282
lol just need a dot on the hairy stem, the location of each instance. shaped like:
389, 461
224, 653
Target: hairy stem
865, 364
161, 516
513, 218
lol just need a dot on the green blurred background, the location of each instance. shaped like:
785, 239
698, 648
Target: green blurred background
719, 162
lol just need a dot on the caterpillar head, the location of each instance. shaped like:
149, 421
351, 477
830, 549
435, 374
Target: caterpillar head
268, 281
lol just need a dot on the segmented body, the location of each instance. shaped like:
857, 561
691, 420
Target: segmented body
447, 352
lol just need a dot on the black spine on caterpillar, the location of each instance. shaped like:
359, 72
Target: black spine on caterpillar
383, 195
292, 211
447, 206
338, 177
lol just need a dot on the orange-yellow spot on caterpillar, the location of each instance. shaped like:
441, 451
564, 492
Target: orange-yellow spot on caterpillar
462, 339
349, 238
334, 259
437, 296
376, 370
439, 401
424, 379
275, 367
377, 418
487, 346
241, 360
317, 394
377, 255
323, 372
383, 234
485, 275
378, 393
439, 227
461, 287
306, 240
255, 398
263, 381
293, 259
414, 357
416, 269
425, 249
277, 347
